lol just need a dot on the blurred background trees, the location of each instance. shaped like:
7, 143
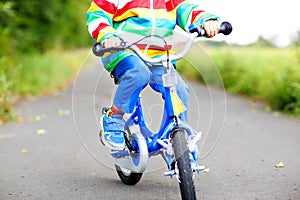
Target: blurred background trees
37, 26
30, 30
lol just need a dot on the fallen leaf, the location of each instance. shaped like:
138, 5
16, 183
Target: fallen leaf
60, 112
37, 118
40, 131
276, 114
19, 119
279, 165
205, 170
24, 150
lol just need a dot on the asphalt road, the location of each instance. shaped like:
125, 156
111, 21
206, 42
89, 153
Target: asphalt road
53, 151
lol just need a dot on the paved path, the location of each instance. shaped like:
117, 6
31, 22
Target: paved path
54, 152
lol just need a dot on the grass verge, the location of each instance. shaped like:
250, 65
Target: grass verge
33, 75
268, 74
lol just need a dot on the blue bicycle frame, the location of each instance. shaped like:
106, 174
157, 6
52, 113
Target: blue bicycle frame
158, 142
143, 143
170, 141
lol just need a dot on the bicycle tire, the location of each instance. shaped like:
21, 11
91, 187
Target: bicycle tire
186, 183
127, 177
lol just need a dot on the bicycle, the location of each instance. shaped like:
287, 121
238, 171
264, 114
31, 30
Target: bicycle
175, 140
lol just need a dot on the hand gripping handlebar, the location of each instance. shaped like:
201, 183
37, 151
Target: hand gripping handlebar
99, 50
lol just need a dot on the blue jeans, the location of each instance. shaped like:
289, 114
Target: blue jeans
134, 75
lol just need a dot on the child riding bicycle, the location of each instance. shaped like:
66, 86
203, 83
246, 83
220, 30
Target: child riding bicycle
107, 19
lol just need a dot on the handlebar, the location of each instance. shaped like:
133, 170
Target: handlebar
99, 50
225, 28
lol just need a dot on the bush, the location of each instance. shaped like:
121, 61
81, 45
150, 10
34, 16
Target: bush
29, 30
7, 77
268, 74
32, 28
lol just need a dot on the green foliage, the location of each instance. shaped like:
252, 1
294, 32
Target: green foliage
29, 30
49, 73
7, 77
36, 74
296, 40
262, 42
268, 74
37, 26
6, 13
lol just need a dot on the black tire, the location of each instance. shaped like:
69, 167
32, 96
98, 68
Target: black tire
128, 177
186, 184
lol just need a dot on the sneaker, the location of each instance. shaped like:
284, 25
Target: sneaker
112, 131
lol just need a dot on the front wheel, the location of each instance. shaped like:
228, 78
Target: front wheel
128, 177
186, 183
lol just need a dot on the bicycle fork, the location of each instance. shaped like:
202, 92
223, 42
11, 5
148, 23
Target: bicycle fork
191, 146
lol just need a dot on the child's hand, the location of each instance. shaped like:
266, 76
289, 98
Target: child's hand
211, 27
112, 42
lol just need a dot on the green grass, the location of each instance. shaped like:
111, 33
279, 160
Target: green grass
32, 75
43, 74
268, 74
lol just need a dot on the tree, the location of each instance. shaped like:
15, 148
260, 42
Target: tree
262, 42
6, 13
36, 26
296, 40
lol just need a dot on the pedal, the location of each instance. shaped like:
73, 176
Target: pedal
170, 173
119, 154
197, 168
193, 166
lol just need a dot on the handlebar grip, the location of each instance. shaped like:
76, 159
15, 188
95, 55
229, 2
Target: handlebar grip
100, 50
225, 28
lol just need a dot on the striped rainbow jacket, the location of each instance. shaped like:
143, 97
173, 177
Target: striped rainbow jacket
108, 18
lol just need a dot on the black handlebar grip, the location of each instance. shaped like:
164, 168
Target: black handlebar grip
100, 50
225, 28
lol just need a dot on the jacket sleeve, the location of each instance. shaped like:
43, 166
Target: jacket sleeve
188, 14
99, 20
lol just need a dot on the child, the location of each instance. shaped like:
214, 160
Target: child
107, 19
